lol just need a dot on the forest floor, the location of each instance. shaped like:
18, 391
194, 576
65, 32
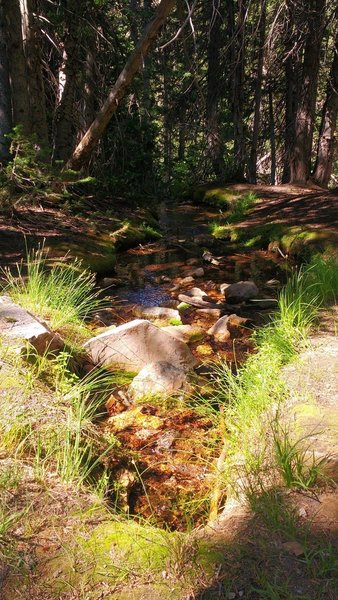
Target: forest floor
282, 545
88, 224
269, 543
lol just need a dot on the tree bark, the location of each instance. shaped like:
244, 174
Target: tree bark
5, 96
237, 81
272, 139
325, 150
65, 128
83, 151
300, 163
31, 46
17, 66
214, 139
252, 165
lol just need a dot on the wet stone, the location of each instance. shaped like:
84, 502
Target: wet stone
154, 313
220, 329
197, 301
209, 312
105, 316
242, 290
196, 293
198, 272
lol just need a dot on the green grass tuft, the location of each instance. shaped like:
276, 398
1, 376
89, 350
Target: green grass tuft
64, 295
247, 393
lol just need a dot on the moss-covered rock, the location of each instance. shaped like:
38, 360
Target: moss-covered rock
215, 195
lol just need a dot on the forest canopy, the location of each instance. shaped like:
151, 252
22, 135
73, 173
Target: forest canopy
170, 93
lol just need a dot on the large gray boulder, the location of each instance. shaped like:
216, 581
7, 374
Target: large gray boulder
134, 345
17, 324
157, 379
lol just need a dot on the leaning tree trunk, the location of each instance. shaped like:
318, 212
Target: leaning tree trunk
17, 66
5, 96
325, 151
252, 165
84, 149
300, 164
214, 88
31, 46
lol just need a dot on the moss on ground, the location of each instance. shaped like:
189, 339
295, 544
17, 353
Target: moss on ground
97, 250
215, 195
139, 561
294, 241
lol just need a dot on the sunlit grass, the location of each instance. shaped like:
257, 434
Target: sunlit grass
247, 393
64, 295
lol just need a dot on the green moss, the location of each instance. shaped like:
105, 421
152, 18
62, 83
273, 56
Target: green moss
175, 322
183, 306
215, 195
98, 256
294, 240
219, 231
134, 557
256, 236
120, 378
131, 234
304, 242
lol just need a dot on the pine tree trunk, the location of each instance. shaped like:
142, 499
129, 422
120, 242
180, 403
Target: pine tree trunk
252, 166
272, 139
300, 163
5, 96
31, 46
237, 79
65, 128
83, 151
214, 139
17, 66
325, 150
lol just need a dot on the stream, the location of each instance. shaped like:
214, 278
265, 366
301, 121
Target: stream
163, 466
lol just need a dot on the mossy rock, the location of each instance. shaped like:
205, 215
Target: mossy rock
215, 195
99, 257
135, 234
302, 243
294, 241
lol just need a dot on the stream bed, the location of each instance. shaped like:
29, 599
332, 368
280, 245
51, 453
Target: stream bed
163, 465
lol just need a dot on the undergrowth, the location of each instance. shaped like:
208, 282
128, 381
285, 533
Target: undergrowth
62, 439
237, 211
64, 294
250, 395
51, 424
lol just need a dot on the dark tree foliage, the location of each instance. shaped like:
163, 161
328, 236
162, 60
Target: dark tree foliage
227, 89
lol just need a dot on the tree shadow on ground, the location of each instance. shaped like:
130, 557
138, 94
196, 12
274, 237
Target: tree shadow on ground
285, 550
